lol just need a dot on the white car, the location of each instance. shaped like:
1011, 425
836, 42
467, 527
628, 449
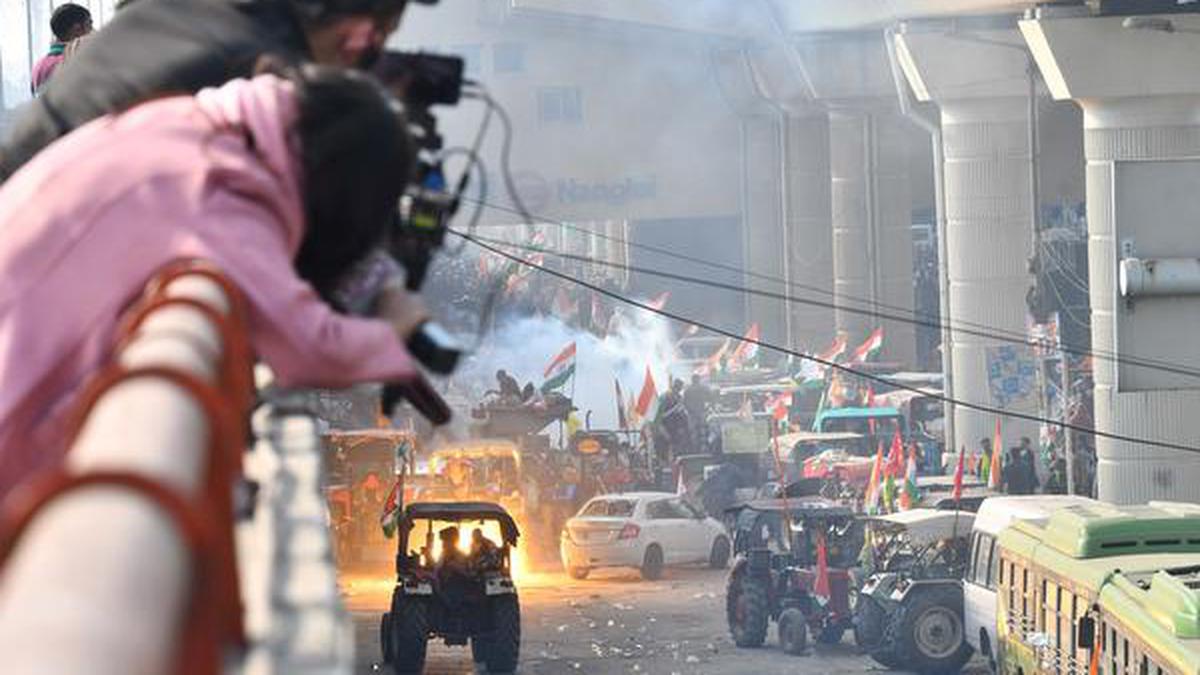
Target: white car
646, 530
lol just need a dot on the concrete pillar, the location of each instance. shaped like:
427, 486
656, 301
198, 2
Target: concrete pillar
872, 226
988, 241
1141, 120
810, 237
849, 73
982, 90
764, 233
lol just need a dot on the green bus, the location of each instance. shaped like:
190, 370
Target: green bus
1114, 588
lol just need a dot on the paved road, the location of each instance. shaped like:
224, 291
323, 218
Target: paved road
613, 623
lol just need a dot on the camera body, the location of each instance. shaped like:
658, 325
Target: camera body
423, 80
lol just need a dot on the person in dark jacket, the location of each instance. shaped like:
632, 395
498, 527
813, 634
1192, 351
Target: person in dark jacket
160, 47
1020, 473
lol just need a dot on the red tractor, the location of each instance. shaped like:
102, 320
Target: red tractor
794, 567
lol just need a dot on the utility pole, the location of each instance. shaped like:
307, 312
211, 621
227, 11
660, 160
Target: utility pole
1068, 446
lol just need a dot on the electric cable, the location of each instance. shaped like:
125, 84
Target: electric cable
940, 323
475, 160
491, 299
1024, 341
933, 319
474, 164
981, 408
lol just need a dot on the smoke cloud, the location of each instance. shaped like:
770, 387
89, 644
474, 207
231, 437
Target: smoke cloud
524, 347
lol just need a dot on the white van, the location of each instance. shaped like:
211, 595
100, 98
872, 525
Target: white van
979, 581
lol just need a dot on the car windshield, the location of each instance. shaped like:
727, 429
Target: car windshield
608, 508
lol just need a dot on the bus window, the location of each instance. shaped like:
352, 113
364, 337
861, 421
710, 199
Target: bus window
1041, 606
1024, 594
1066, 628
992, 563
971, 573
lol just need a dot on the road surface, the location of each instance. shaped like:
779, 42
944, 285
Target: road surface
613, 622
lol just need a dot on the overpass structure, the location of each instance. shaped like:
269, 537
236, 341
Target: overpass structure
833, 92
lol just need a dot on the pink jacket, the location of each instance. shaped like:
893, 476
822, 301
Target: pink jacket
43, 69
88, 222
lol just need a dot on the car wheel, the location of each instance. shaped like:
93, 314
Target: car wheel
578, 572
718, 558
652, 563
793, 632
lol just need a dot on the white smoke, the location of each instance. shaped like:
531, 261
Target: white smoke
525, 346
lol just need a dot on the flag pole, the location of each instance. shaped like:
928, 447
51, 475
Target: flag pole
787, 511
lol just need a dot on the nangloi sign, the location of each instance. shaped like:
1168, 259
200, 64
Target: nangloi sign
539, 193
614, 193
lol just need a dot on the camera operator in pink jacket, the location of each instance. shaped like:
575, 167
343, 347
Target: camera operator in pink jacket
283, 183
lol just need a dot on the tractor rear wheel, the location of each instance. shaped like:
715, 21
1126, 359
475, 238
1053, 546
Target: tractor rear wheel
409, 621
869, 622
503, 648
930, 638
746, 611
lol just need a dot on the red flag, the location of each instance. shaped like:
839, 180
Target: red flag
1094, 661
647, 396
821, 585
895, 463
958, 476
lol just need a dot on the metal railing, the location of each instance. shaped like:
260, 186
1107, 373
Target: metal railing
122, 559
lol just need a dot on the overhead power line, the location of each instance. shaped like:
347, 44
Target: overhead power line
910, 316
992, 410
783, 297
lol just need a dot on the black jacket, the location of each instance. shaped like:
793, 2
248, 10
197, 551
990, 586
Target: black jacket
153, 48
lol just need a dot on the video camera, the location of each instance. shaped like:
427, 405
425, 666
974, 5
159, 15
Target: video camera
422, 81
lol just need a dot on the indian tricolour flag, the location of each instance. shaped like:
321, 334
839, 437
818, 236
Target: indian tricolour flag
747, 349
869, 348
560, 370
814, 370
910, 496
390, 517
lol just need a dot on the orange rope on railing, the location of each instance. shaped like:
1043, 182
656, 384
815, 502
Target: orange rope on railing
205, 522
